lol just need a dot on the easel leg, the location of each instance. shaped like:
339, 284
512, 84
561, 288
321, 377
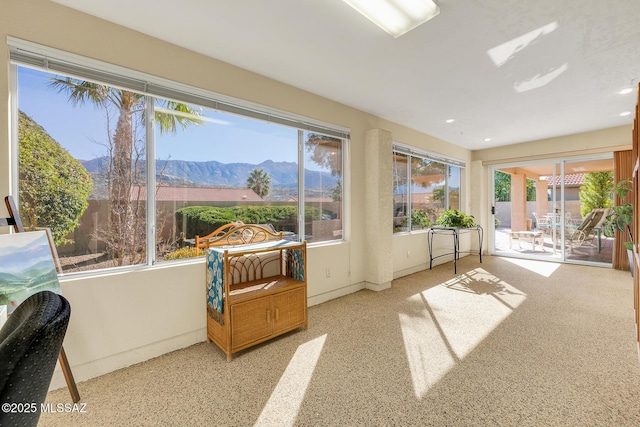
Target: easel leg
68, 376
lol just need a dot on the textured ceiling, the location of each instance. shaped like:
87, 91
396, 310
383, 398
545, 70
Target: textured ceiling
509, 70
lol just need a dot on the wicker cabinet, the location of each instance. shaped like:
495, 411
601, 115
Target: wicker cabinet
255, 292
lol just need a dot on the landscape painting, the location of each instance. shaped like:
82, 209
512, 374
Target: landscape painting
26, 267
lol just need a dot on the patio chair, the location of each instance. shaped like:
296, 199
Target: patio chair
542, 223
591, 221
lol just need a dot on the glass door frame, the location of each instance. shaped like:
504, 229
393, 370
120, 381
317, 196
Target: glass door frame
557, 165
557, 202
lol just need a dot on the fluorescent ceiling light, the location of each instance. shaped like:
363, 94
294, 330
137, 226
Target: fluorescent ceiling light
396, 17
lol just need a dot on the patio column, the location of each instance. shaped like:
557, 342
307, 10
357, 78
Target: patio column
542, 198
518, 202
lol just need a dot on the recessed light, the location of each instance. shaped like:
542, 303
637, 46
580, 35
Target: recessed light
625, 91
451, 120
487, 139
625, 113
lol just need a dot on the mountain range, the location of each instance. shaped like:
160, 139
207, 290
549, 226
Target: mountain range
216, 174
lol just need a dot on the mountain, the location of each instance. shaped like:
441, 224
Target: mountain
216, 174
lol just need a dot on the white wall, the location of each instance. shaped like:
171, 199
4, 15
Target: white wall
411, 251
124, 318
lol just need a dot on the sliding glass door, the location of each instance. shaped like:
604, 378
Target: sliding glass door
551, 210
587, 202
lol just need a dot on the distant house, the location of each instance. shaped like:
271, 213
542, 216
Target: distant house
313, 199
197, 194
572, 184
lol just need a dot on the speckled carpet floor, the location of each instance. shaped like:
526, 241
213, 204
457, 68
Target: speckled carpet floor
502, 343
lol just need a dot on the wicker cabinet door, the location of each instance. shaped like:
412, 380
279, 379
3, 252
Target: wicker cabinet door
250, 321
290, 309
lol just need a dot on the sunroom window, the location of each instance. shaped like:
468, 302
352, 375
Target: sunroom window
424, 186
89, 150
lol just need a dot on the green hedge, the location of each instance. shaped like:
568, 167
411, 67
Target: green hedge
202, 220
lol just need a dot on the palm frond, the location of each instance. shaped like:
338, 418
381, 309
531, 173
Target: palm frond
174, 115
80, 91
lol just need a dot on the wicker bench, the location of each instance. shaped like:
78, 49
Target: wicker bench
535, 237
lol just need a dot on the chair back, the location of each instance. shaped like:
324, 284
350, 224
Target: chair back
592, 219
30, 343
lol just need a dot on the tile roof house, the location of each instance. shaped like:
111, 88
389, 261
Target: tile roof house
199, 194
570, 180
572, 184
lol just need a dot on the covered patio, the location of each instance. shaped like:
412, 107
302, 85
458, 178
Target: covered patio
545, 226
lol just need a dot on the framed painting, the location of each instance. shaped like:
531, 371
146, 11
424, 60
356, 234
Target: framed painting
27, 266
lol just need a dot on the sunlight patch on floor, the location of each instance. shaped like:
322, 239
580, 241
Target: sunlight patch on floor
443, 324
284, 403
543, 268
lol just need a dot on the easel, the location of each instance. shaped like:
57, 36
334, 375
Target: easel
14, 220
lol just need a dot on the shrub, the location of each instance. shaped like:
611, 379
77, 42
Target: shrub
419, 219
186, 252
54, 186
202, 220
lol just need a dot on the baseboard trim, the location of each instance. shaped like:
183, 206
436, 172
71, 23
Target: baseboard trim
108, 364
411, 270
378, 287
337, 293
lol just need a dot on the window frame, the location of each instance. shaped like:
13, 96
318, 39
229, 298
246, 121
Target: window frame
54, 61
412, 152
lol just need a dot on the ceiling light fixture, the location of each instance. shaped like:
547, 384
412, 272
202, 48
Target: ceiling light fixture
396, 17
625, 91
625, 113
451, 120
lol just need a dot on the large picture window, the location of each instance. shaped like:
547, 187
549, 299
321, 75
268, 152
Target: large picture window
423, 188
89, 149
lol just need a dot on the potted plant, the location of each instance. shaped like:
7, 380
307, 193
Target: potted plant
621, 218
455, 218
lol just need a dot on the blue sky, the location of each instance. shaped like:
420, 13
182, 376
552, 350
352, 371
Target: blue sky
81, 129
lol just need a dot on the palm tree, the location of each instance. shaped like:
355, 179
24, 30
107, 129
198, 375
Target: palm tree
259, 181
125, 232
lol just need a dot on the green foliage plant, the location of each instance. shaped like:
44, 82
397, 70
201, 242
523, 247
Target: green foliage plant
622, 216
183, 253
202, 220
419, 219
456, 218
502, 184
54, 186
595, 191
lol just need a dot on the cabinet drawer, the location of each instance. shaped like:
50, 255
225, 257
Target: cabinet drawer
250, 321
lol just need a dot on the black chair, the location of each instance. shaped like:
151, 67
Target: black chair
30, 342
